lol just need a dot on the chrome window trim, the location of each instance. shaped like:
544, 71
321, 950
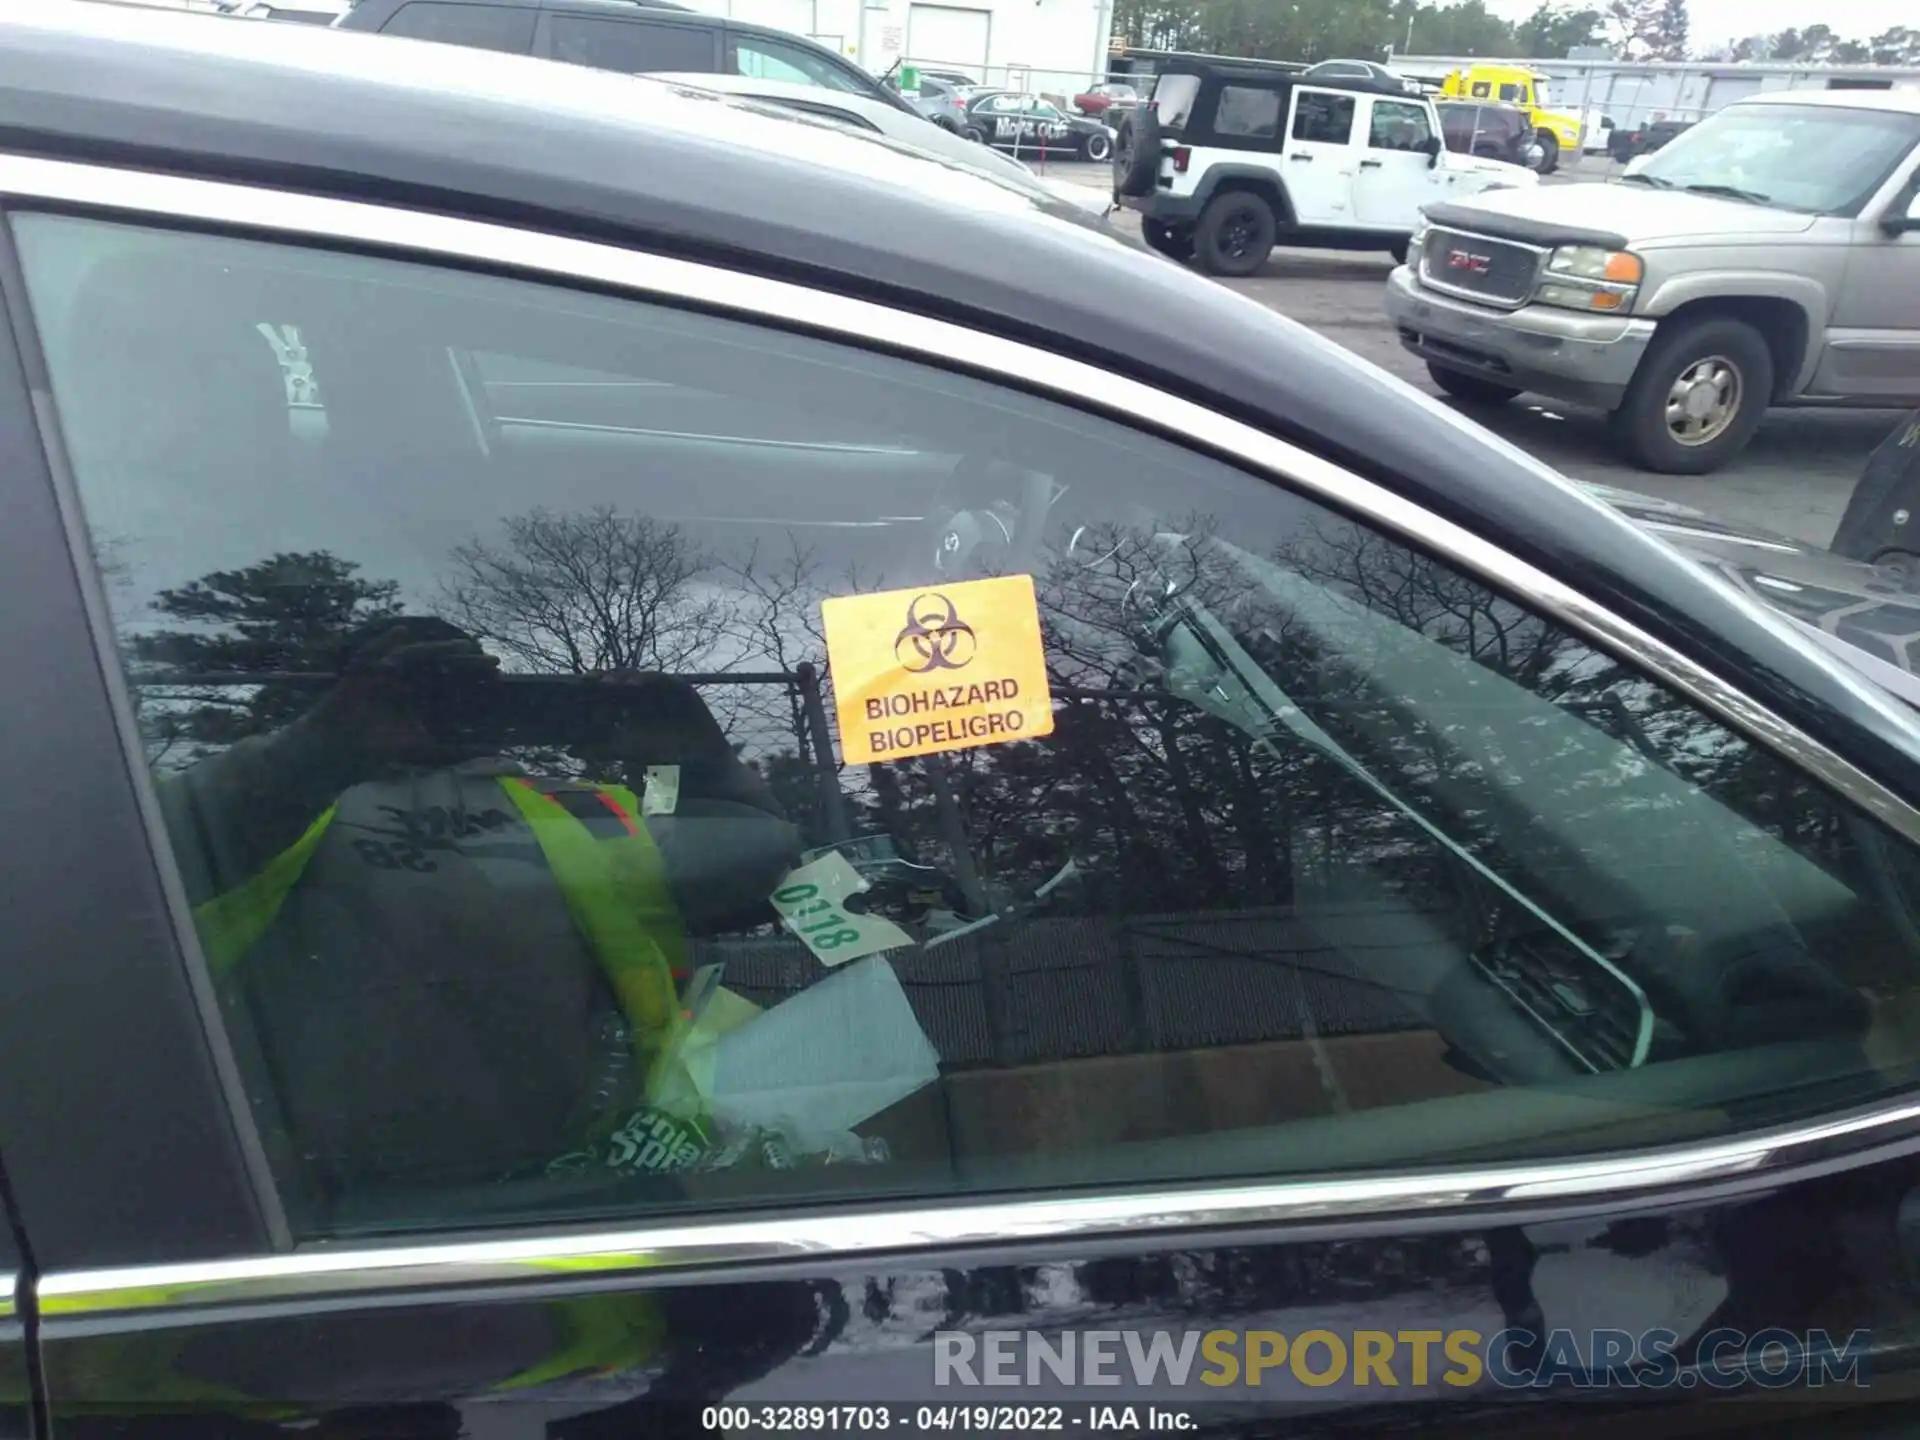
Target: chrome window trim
406, 1269
141, 197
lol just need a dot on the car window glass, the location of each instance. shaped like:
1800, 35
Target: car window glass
1322, 115
1173, 97
626, 761
1398, 125
484, 27
1248, 111
766, 59
1481, 89
632, 46
1516, 94
1817, 159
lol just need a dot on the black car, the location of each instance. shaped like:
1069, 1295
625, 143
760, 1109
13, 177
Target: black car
1029, 125
674, 773
1497, 132
620, 35
1625, 143
1370, 71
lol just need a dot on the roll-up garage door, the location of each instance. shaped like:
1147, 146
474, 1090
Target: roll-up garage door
948, 35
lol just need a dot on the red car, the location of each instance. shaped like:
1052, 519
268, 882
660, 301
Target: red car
1102, 98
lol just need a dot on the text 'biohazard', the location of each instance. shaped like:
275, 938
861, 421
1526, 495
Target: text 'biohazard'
920, 671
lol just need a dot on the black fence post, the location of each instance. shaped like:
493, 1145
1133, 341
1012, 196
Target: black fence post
833, 804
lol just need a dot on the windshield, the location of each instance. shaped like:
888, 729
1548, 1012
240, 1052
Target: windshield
1819, 159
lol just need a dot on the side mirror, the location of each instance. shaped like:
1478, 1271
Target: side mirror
1433, 147
1896, 223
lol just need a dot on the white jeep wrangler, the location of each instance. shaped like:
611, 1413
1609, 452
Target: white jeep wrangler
1231, 157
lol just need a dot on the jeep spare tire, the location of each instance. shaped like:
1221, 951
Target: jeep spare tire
1136, 159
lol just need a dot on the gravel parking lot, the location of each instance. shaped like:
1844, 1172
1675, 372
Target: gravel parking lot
1794, 479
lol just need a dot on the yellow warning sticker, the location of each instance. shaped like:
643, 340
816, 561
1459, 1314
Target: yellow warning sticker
940, 668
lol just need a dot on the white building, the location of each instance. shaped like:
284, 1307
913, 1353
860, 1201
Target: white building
1634, 92
1045, 45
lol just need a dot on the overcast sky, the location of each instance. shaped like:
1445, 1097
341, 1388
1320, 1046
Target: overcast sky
1718, 20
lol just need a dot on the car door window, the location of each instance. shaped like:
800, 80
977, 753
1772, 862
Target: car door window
1397, 125
632, 47
767, 59
623, 761
1248, 112
1323, 116
483, 27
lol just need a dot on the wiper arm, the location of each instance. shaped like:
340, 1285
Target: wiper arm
1653, 180
1732, 192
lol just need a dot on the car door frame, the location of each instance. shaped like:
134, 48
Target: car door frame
1855, 354
1331, 178
1412, 175
201, 1240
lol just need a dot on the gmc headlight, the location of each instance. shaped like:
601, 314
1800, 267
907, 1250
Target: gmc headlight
1590, 277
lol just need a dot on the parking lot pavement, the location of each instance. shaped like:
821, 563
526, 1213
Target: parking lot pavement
1793, 479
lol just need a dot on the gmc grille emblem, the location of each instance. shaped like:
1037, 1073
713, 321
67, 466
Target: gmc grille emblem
1468, 261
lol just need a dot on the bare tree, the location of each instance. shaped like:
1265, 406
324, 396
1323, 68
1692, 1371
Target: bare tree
598, 590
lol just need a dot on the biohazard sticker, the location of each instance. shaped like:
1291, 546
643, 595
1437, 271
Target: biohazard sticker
948, 668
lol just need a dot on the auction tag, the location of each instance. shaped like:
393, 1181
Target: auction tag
920, 671
811, 903
662, 794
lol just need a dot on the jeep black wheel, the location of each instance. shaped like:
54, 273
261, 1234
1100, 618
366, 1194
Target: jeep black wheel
1175, 242
1462, 386
975, 134
1700, 392
1096, 149
1235, 234
1549, 152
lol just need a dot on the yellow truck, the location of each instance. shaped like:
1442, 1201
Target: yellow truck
1517, 85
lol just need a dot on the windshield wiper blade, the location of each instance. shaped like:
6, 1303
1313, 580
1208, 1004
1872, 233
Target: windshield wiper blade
1653, 180
1732, 192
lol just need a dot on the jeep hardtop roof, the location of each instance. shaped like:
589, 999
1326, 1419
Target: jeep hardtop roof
1272, 74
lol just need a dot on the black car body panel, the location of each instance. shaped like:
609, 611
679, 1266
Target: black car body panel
605, 34
120, 1148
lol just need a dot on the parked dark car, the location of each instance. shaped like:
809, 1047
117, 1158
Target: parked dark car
1027, 124
1369, 71
496, 559
1627, 142
1497, 132
622, 36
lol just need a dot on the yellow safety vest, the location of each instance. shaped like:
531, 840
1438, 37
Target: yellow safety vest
615, 890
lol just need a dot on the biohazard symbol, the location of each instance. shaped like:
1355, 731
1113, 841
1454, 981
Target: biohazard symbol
935, 637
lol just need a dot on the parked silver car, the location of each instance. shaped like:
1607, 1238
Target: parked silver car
1768, 256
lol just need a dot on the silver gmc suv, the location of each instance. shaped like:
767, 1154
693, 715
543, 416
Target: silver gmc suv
1768, 256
